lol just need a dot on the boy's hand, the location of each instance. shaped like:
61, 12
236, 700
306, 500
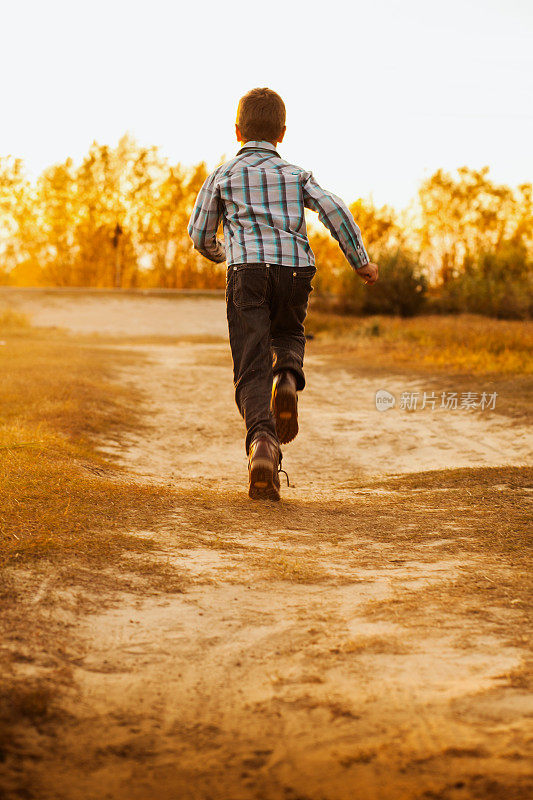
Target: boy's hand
369, 273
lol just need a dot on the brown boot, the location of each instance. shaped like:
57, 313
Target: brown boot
284, 405
263, 463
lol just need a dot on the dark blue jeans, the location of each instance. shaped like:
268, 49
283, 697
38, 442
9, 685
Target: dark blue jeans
266, 308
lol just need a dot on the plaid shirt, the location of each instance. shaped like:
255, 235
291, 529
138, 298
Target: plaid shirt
261, 200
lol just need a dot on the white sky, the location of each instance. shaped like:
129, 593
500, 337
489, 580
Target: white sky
379, 93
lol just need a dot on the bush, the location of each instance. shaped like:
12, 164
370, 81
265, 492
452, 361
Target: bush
499, 284
494, 297
400, 290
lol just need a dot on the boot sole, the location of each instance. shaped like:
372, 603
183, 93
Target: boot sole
285, 408
262, 485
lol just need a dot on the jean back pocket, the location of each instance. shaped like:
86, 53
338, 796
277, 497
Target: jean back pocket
250, 285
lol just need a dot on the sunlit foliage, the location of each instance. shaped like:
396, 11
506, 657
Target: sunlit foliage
119, 219
476, 240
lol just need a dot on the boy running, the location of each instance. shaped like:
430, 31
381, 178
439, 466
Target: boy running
260, 199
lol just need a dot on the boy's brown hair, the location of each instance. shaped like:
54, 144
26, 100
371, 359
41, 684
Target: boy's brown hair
261, 115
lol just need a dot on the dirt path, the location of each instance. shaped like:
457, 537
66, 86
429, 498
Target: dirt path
196, 435
327, 648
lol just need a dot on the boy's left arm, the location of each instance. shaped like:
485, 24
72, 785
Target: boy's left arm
204, 222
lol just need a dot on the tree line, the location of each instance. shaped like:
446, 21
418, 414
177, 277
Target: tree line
119, 219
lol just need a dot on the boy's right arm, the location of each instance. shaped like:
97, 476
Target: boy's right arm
336, 216
204, 222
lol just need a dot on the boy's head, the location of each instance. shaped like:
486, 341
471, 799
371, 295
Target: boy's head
260, 117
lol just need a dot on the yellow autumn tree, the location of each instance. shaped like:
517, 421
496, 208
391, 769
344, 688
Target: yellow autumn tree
467, 214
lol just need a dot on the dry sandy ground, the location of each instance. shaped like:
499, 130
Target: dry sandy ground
314, 653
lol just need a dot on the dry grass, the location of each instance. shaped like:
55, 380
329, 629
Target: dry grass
47, 506
463, 343
280, 566
375, 645
11, 320
62, 501
60, 497
57, 493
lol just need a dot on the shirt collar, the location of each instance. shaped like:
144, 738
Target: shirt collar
259, 145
